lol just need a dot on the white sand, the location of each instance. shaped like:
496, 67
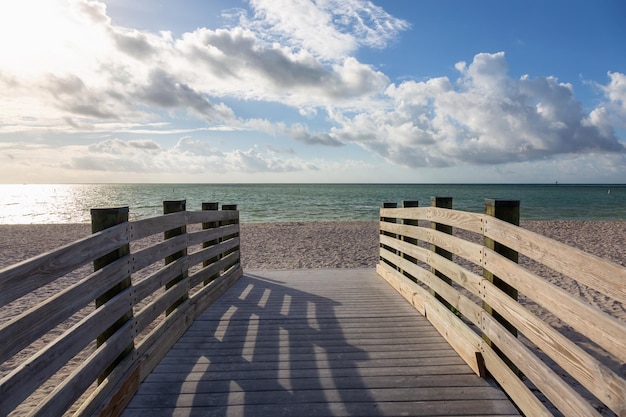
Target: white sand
353, 245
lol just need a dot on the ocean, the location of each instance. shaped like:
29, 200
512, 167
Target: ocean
71, 203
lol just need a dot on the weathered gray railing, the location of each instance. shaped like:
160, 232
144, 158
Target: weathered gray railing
82, 341
480, 316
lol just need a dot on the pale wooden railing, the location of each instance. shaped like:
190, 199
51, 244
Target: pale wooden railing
85, 346
543, 371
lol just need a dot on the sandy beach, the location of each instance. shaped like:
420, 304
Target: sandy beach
304, 245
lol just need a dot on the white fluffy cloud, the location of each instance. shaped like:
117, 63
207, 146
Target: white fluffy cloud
484, 117
73, 70
330, 29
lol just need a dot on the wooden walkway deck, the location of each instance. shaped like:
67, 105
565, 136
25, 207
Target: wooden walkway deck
314, 343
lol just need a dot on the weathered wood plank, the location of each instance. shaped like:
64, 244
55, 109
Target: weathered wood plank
23, 380
463, 220
66, 393
202, 236
148, 227
603, 329
556, 390
24, 329
286, 338
590, 270
24, 277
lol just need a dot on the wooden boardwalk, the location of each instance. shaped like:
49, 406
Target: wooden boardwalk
314, 343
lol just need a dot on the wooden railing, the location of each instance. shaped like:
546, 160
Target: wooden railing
468, 288
82, 341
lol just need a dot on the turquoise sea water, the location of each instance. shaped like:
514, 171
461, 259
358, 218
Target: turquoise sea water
70, 203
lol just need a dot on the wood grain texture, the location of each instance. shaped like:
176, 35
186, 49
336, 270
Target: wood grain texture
313, 342
26, 276
590, 270
598, 326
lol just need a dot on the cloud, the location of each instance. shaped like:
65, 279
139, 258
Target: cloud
331, 30
485, 117
188, 156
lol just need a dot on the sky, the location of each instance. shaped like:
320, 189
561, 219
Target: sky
284, 91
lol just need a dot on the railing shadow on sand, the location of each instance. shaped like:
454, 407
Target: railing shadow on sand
81, 338
468, 286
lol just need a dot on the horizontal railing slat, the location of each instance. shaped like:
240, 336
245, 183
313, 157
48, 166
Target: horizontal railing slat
151, 226
603, 329
463, 304
26, 276
494, 309
590, 270
413, 251
73, 387
160, 304
22, 381
212, 251
207, 216
158, 279
24, 329
158, 251
544, 378
521, 395
594, 376
206, 235
463, 220
213, 269
42, 318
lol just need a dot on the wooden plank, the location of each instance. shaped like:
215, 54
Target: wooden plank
147, 227
24, 277
158, 306
23, 380
472, 222
545, 379
280, 338
460, 302
415, 232
465, 342
158, 279
154, 347
521, 395
195, 238
467, 279
602, 382
213, 269
73, 387
205, 216
113, 393
473, 252
603, 329
412, 292
212, 251
417, 252
159, 251
590, 270
24, 329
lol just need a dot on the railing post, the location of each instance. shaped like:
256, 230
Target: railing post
101, 219
441, 202
227, 207
393, 235
207, 244
413, 241
509, 211
175, 206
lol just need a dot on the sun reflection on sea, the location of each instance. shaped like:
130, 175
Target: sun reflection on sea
42, 204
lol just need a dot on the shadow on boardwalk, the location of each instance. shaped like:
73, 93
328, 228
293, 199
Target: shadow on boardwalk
276, 344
